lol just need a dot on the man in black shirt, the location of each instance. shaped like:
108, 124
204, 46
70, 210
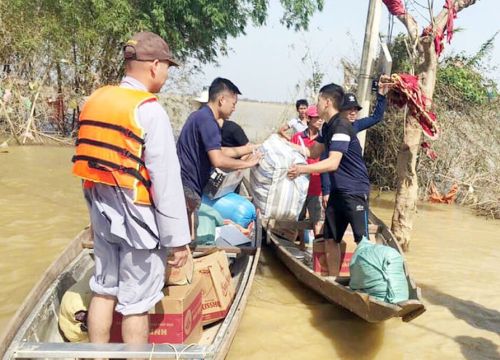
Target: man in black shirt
233, 135
350, 187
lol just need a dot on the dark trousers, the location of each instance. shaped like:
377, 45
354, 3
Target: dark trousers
344, 209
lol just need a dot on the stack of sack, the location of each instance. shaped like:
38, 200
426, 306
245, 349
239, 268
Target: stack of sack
273, 192
378, 270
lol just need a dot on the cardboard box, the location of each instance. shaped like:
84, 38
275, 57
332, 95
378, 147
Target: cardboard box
319, 257
217, 286
175, 319
347, 248
221, 183
182, 275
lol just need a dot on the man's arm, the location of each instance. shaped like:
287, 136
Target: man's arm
219, 160
378, 113
375, 118
160, 157
331, 163
325, 184
239, 151
312, 152
282, 131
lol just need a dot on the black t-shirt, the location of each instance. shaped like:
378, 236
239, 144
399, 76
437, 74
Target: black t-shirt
351, 177
233, 135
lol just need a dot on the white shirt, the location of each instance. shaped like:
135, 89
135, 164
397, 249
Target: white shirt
297, 125
169, 222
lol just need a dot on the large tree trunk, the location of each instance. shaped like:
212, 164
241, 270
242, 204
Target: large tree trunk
407, 185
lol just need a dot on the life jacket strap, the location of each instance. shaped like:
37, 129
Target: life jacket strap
127, 132
108, 146
105, 165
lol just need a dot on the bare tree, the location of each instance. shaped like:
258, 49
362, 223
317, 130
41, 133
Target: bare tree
426, 60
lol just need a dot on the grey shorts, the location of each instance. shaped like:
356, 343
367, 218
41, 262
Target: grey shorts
313, 207
134, 276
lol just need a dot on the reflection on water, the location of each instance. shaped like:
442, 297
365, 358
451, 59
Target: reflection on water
454, 257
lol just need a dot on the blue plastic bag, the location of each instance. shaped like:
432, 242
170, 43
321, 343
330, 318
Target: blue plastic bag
378, 270
233, 207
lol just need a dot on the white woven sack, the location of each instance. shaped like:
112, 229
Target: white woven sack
273, 192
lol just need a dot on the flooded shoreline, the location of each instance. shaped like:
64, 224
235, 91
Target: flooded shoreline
454, 258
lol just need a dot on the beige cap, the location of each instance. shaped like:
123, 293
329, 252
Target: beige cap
148, 46
202, 97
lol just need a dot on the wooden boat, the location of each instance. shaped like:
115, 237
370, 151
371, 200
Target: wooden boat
337, 290
34, 332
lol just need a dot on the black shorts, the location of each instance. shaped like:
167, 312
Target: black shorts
344, 209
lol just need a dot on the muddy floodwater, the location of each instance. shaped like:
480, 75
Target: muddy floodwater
454, 258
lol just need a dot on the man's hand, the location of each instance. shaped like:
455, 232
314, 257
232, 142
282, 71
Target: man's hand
294, 171
179, 256
384, 84
253, 159
324, 200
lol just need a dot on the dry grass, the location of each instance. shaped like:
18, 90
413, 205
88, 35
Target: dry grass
468, 154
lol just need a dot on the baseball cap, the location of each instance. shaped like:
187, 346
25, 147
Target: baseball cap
312, 111
350, 102
148, 46
202, 97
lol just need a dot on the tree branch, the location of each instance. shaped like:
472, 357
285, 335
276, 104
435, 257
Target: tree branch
441, 19
411, 26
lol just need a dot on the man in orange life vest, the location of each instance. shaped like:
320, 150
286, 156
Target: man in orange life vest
127, 157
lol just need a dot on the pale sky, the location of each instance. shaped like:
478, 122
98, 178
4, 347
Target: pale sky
266, 64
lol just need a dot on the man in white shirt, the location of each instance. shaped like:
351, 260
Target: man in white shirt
296, 124
132, 235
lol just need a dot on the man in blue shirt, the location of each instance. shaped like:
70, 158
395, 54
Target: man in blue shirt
349, 110
348, 202
199, 144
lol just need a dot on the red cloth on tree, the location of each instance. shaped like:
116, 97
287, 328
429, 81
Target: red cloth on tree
452, 14
395, 7
406, 91
448, 29
431, 154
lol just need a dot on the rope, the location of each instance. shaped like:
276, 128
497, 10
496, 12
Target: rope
177, 354
152, 351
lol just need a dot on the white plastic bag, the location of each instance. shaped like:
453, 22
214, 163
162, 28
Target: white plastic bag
273, 192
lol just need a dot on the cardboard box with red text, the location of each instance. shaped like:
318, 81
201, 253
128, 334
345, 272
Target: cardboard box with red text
175, 319
347, 248
217, 285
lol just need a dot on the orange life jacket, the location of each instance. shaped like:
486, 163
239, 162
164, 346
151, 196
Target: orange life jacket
110, 141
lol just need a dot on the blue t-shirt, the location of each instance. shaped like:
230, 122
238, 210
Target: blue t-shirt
351, 177
200, 134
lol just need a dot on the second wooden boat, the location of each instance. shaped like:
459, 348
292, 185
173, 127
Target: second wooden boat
337, 291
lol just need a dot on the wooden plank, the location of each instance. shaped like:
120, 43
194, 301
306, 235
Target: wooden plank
247, 250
